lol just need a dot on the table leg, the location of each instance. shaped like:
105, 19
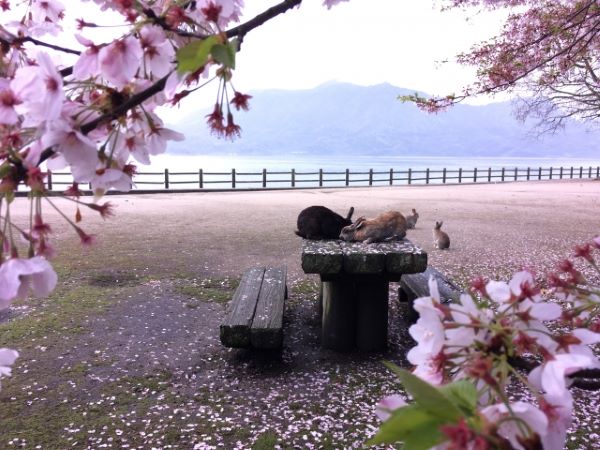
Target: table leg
371, 314
338, 330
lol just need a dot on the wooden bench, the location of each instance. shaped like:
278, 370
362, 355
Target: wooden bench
415, 285
254, 317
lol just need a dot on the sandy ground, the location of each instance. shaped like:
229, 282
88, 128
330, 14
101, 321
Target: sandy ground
491, 226
126, 353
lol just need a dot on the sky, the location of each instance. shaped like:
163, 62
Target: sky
364, 42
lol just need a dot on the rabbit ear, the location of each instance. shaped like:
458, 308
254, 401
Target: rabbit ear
350, 212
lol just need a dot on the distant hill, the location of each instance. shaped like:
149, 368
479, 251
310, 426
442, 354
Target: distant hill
341, 118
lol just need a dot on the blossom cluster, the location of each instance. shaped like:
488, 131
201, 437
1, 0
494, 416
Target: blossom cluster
485, 338
93, 110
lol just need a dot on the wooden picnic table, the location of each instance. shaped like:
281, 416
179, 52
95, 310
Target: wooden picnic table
355, 281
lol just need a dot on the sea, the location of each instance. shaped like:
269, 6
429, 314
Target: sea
215, 171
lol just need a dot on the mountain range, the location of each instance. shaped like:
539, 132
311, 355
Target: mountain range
341, 118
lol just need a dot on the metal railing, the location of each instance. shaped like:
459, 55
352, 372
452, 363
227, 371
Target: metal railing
266, 179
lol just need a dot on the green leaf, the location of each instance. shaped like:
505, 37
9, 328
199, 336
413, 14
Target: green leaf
401, 423
225, 54
427, 396
195, 54
424, 438
463, 394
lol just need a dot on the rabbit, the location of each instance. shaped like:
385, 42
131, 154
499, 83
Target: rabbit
386, 226
440, 239
319, 222
411, 220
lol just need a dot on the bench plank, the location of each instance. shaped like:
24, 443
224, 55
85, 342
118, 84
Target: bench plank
267, 326
413, 286
235, 330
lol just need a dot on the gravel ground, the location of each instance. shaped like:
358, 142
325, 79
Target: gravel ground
125, 353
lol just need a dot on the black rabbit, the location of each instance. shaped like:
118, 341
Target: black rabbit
319, 222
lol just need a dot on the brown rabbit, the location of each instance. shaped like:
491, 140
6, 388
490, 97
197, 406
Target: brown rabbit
411, 219
440, 239
389, 225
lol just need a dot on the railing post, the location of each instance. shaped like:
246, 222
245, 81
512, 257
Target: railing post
459, 175
560, 172
49, 182
571, 171
293, 177
370, 177
503, 174
581, 172
264, 178
166, 178
516, 173
475, 175
409, 176
320, 177
201, 178
391, 177
444, 176
528, 171
427, 176
590, 172
232, 178
598, 172
347, 177
540, 173
550, 172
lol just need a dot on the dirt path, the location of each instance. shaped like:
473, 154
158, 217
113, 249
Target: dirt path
126, 353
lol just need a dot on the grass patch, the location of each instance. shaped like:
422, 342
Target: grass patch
305, 287
63, 313
265, 441
218, 290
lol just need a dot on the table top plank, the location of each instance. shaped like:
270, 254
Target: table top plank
330, 257
323, 257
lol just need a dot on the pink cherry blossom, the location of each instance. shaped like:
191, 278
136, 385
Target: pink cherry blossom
8, 100
7, 359
120, 60
88, 64
46, 10
551, 375
387, 405
510, 428
19, 276
106, 179
330, 3
158, 51
39, 90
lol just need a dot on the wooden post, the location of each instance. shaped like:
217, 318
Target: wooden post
550, 172
427, 176
503, 174
371, 315
590, 172
444, 176
409, 176
201, 178
370, 177
391, 177
339, 314
598, 172
516, 174
233, 178
460, 175
166, 178
475, 175
581, 172
347, 177
264, 178
560, 173
49, 182
293, 177
540, 173
528, 171
571, 171
320, 177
